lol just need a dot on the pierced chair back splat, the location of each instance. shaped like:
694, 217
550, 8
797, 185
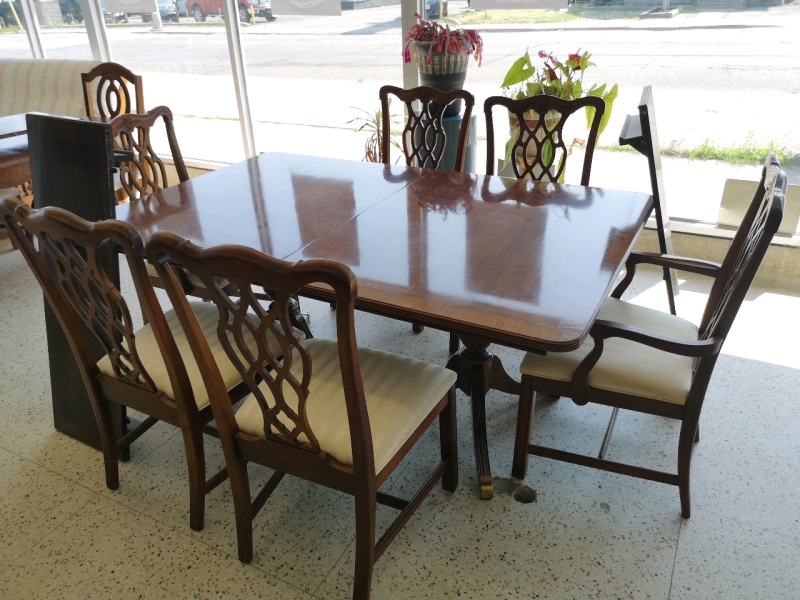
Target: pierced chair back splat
424, 139
539, 150
112, 93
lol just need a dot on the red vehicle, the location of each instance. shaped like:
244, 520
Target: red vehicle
200, 9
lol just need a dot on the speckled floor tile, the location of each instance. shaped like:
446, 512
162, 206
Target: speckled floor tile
749, 445
108, 551
34, 502
723, 558
580, 538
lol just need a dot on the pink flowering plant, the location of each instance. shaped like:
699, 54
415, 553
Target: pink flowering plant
444, 40
556, 78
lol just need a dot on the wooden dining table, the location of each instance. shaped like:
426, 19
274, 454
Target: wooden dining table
15, 166
518, 263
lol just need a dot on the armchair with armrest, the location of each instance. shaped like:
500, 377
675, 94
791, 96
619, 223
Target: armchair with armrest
650, 361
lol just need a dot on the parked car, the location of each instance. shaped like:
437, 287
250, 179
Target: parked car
205, 8
432, 9
71, 12
166, 8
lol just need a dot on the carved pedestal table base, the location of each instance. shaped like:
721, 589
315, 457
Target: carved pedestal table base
478, 372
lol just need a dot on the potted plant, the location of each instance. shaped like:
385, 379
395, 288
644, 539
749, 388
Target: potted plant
372, 123
442, 55
553, 78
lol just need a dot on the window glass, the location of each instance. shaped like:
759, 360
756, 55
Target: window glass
187, 68
309, 77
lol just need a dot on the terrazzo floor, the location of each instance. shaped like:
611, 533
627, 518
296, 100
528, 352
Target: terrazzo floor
586, 535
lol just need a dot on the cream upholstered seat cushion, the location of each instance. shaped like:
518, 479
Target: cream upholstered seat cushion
399, 391
625, 366
152, 361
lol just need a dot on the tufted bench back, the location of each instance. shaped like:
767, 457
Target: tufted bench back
49, 86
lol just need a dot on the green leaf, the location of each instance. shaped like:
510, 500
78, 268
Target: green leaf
597, 91
513, 134
519, 71
534, 89
609, 98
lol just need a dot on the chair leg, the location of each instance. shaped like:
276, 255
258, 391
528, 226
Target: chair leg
102, 414
196, 463
417, 328
527, 399
243, 508
455, 343
449, 442
685, 447
365, 545
609, 430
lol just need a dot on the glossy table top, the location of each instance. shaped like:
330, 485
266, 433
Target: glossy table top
520, 263
12, 125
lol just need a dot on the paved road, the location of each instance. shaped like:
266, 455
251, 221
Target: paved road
739, 52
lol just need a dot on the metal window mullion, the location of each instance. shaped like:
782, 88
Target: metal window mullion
408, 20
96, 30
32, 29
230, 10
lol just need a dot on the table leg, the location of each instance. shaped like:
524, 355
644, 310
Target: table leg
478, 371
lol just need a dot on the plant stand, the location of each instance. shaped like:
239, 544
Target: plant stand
452, 126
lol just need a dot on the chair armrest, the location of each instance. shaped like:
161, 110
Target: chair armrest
602, 330
691, 265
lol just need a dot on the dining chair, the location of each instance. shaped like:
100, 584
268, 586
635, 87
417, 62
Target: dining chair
424, 139
539, 150
149, 369
145, 172
329, 411
112, 95
649, 361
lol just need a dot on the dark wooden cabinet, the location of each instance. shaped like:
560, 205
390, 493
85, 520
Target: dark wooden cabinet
72, 164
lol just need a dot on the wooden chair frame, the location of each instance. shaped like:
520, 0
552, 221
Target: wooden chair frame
145, 173
424, 133
112, 95
542, 134
732, 280
84, 300
293, 448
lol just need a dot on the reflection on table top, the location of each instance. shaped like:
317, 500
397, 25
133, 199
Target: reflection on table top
12, 125
521, 263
